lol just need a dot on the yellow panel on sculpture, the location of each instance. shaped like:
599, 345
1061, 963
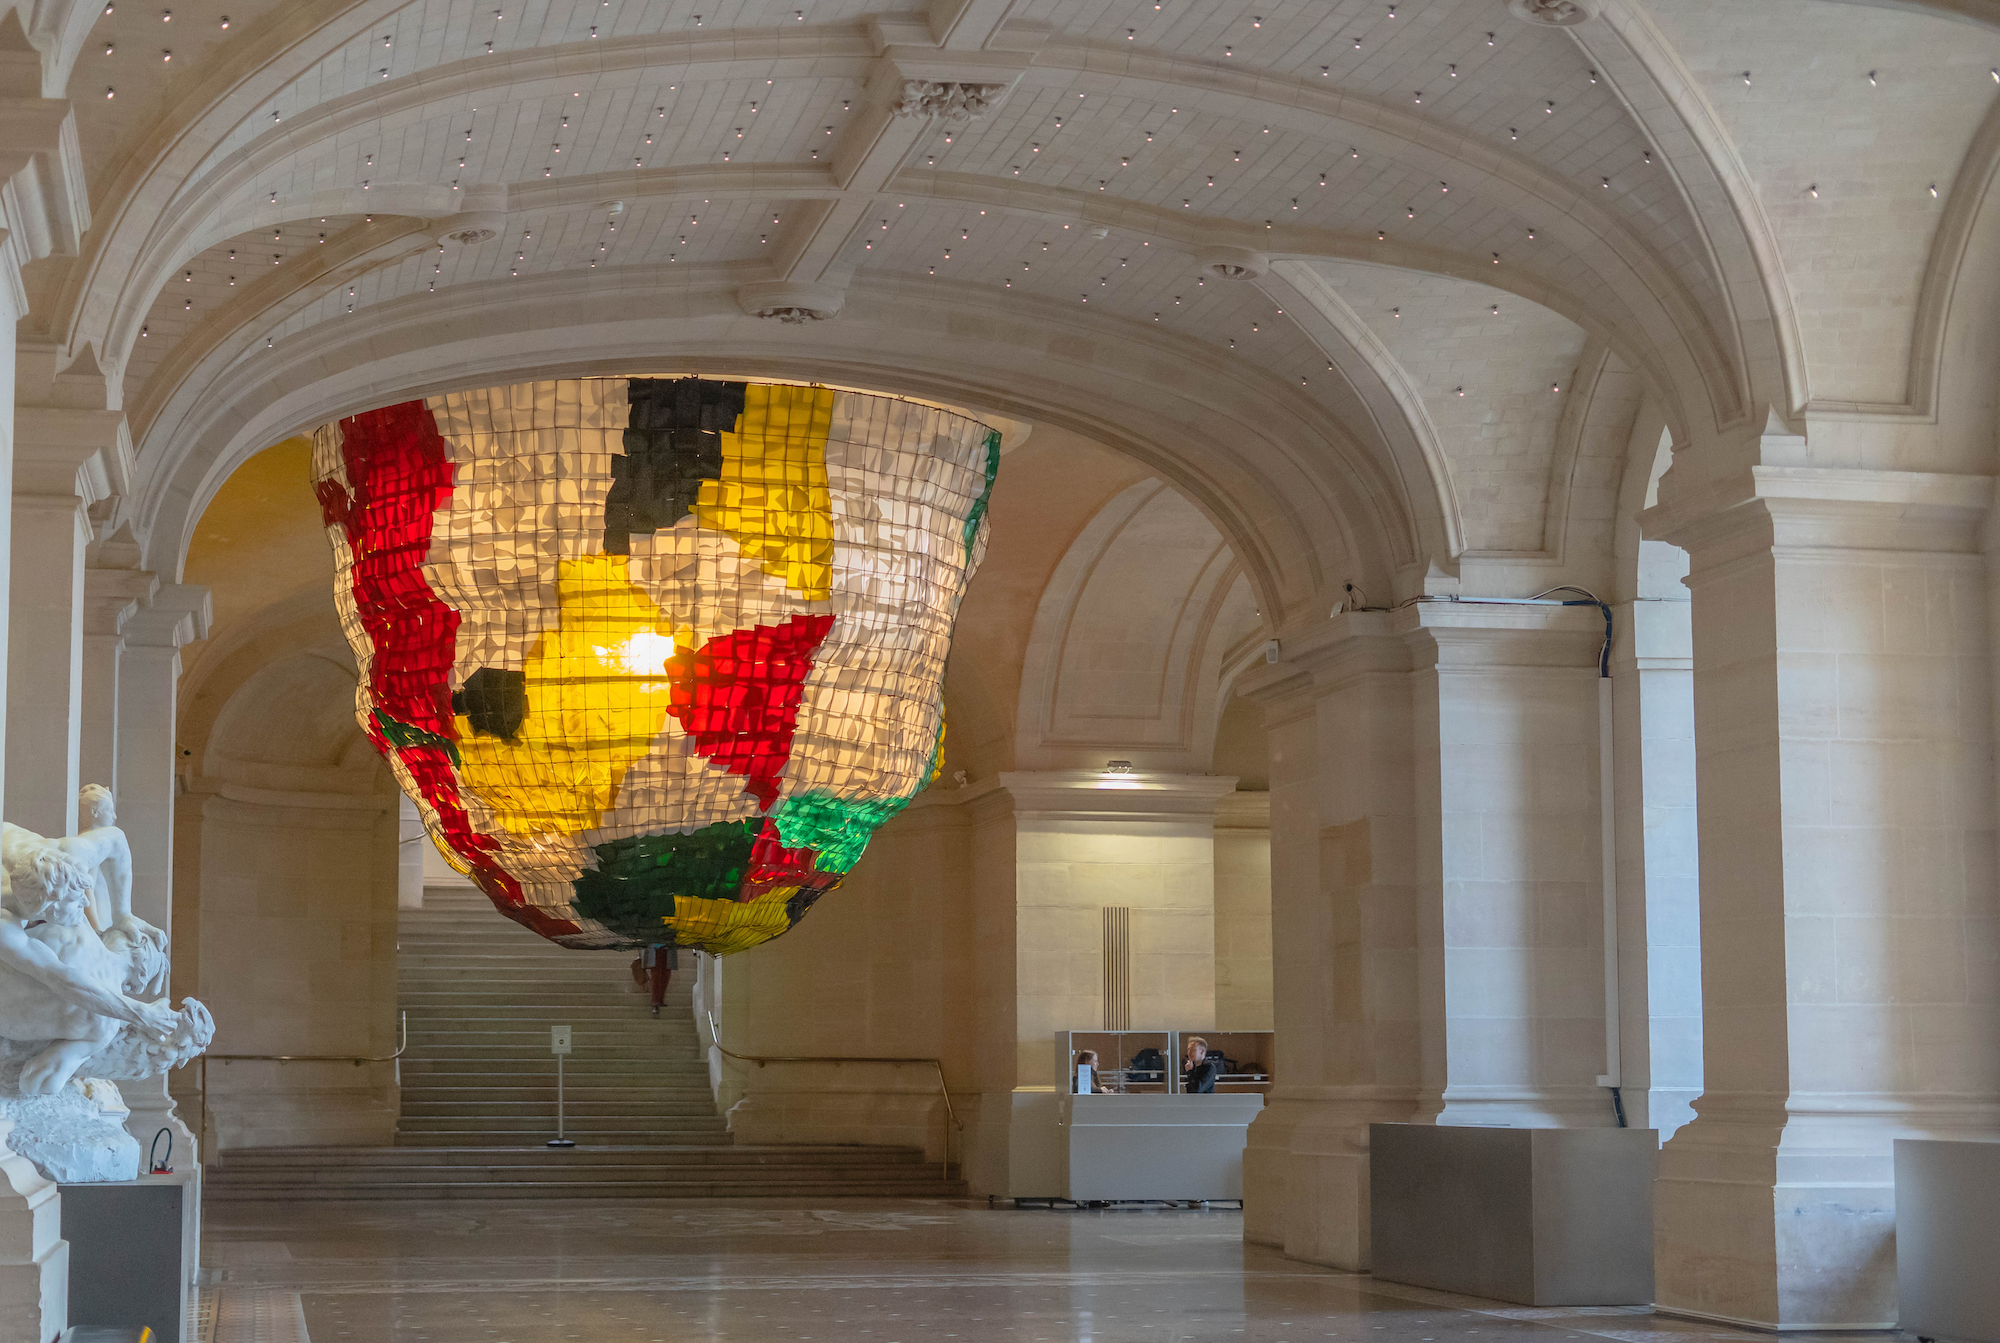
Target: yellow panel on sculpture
655, 657
596, 693
771, 498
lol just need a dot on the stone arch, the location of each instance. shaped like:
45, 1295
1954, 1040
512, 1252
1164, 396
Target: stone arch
1303, 507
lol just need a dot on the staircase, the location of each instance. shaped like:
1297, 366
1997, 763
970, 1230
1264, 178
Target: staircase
479, 1090
482, 991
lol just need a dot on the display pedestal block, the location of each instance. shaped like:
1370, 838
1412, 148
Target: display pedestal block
34, 1258
127, 1246
1541, 1216
1948, 1239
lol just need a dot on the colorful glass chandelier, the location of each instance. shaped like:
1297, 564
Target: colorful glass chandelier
654, 657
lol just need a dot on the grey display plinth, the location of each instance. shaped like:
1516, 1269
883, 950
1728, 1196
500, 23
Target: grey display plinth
1948, 1239
125, 1254
1542, 1216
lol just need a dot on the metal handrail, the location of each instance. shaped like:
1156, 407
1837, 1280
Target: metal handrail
201, 1070
760, 1060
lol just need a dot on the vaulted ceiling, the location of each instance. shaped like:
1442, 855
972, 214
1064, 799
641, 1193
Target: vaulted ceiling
1404, 245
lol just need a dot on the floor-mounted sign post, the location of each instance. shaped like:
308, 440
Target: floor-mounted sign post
559, 1046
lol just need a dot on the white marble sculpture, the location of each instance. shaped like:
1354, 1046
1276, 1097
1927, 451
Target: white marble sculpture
82, 984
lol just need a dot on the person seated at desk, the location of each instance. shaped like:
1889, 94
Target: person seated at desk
1199, 1072
1087, 1058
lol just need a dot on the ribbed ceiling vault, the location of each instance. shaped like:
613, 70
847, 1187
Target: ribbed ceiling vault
270, 195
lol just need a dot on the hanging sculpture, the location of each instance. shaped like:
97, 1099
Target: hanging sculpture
654, 657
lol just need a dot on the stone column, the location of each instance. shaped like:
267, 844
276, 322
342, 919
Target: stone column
1343, 933
1659, 890
1842, 654
1243, 912
1510, 925
411, 841
64, 461
110, 597
1076, 841
148, 678
1435, 896
130, 683
44, 210
11, 310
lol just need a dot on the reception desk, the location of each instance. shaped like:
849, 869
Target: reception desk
1174, 1148
1148, 1139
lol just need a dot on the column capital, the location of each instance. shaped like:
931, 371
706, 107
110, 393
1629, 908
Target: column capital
113, 596
45, 208
1823, 508
178, 614
1450, 634
1429, 632
69, 452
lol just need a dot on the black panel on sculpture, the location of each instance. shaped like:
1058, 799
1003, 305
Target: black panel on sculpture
494, 701
673, 443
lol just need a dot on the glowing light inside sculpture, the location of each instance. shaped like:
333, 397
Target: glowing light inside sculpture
654, 657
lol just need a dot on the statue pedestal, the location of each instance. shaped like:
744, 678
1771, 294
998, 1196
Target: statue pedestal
34, 1258
127, 1246
152, 1109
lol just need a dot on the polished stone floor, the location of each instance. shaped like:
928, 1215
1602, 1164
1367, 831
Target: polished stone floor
857, 1271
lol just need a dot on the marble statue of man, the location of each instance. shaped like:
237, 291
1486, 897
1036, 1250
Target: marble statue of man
60, 984
102, 847
78, 976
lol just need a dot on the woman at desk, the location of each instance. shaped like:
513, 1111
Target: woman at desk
1086, 1083
1199, 1072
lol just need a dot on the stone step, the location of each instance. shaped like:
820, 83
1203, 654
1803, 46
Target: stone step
349, 1176
471, 959
559, 990
531, 1015
443, 1071
518, 1122
577, 1110
633, 1018
534, 1154
534, 1048
510, 1071
602, 1137
806, 1187
586, 1171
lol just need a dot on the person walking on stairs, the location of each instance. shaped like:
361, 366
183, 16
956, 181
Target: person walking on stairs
653, 968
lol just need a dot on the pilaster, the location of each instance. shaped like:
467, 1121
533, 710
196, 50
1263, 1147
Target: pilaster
142, 663
1343, 932
1510, 931
1437, 945
111, 597
1843, 712
1658, 880
66, 459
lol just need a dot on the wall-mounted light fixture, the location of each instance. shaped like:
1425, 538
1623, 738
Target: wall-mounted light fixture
1119, 774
